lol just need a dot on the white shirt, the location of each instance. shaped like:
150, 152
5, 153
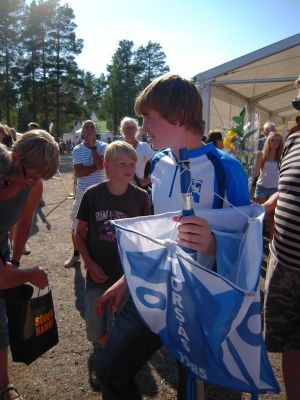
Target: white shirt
269, 175
144, 154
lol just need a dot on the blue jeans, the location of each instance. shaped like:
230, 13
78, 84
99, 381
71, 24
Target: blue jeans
96, 325
264, 193
128, 348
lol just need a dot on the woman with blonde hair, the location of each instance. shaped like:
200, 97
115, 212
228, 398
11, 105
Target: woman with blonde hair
266, 173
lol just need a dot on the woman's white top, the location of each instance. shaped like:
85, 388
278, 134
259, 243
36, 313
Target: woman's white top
269, 175
144, 154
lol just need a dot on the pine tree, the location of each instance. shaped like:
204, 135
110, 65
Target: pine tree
64, 77
11, 22
122, 88
150, 63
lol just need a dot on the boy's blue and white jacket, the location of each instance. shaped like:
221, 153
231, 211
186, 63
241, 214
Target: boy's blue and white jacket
213, 173
209, 320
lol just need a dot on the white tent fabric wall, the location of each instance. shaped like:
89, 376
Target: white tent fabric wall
262, 80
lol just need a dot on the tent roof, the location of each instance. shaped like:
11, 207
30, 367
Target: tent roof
264, 78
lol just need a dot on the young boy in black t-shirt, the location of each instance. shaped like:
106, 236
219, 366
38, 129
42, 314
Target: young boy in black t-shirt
113, 199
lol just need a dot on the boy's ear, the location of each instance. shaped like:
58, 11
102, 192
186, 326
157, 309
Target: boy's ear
106, 164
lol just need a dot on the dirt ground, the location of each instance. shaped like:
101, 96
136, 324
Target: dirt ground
63, 372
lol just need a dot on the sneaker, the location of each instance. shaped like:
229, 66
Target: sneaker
71, 261
27, 249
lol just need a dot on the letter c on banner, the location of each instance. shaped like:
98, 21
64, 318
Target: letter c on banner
151, 298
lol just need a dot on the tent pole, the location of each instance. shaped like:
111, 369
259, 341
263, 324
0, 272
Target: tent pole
69, 195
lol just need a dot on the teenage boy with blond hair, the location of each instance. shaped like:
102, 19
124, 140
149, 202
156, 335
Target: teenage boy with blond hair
95, 237
171, 108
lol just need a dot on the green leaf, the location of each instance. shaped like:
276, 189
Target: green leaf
243, 113
237, 119
238, 129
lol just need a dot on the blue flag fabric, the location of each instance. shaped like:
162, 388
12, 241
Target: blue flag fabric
210, 321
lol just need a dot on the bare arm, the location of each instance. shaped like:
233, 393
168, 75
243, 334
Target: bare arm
10, 276
23, 225
94, 269
257, 166
113, 296
270, 204
81, 170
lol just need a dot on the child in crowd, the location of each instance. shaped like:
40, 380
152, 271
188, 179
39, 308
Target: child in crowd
171, 108
113, 199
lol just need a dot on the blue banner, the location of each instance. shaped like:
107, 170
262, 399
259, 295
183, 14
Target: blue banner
210, 321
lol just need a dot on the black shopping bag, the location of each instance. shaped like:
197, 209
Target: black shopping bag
32, 326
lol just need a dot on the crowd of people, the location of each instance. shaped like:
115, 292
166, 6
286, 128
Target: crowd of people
110, 184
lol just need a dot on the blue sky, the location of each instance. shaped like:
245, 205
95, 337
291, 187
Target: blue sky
195, 34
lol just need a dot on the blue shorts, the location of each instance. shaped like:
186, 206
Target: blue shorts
96, 325
4, 340
262, 192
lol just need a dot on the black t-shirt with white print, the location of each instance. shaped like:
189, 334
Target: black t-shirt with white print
97, 207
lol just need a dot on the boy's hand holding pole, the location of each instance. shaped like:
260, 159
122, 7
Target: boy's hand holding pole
194, 233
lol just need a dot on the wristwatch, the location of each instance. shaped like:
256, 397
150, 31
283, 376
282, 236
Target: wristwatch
93, 148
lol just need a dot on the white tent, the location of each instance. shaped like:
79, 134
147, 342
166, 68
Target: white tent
262, 80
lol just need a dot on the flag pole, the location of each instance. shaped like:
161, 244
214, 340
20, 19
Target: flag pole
194, 386
186, 189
